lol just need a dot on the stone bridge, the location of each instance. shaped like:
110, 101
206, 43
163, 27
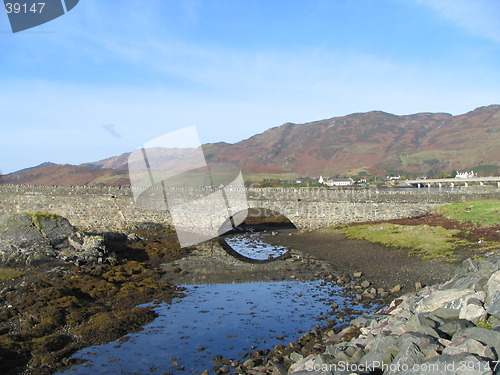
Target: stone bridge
113, 208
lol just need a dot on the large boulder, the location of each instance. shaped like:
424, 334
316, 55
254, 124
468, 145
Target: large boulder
21, 242
55, 228
34, 239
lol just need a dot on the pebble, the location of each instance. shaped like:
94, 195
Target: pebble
396, 288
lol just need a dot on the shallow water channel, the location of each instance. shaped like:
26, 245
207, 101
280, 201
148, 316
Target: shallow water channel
216, 319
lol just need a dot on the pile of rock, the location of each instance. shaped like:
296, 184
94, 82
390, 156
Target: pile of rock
452, 328
40, 238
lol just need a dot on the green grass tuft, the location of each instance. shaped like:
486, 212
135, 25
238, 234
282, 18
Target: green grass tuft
9, 273
36, 216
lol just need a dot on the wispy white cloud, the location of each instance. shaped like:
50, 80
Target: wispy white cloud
481, 17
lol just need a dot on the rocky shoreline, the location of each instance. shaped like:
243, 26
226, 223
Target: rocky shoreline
65, 290
83, 288
449, 328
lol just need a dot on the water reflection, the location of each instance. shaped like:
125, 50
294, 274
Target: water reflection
225, 319
252, 247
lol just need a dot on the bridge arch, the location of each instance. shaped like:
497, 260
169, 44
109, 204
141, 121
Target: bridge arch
259, 217
238, 241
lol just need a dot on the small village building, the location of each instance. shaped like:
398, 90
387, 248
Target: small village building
466, 174
339, 182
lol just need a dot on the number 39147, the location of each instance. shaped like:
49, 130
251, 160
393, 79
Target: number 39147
17, 8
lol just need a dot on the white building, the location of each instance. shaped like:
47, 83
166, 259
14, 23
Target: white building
339, 182
465, 174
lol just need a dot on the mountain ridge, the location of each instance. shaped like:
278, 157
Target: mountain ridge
374, 142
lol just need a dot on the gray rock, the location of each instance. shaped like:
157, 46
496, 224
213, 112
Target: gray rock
358, 354
485, 336
294, 356
473, 312
359, 322
381, 351
464, 345
453, 326
449, 298
493, 307
408, 356
311, 362
426, 343
415, 325
21, 230
56, 230
467, 266
446, 314
22, 243
34, 240
475, 282
493, 285
488, 266
248, 363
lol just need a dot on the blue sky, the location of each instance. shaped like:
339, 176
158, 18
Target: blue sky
110, 75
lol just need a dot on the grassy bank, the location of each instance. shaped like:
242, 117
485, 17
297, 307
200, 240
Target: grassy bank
435, 241
423, 240
483, 213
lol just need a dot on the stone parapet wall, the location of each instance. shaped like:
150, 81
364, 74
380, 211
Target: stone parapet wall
113, 208
88, 208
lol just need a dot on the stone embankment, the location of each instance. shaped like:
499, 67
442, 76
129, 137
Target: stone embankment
451, 328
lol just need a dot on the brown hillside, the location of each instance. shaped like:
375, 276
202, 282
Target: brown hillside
374, 142
68, 175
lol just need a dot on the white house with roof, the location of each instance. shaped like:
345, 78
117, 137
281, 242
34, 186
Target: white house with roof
336, 181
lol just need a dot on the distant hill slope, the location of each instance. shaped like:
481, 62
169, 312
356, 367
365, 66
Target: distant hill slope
56, 174
375, 142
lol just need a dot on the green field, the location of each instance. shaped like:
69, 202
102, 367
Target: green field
483, 213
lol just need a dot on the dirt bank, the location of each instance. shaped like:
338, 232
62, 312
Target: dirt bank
382, 266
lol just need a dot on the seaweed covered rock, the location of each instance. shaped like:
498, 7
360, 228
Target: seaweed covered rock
34, 239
